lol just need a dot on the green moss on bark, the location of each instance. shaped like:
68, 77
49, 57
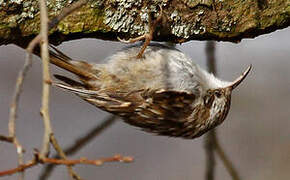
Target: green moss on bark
227, 20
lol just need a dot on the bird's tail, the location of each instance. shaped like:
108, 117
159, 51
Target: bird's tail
80, 68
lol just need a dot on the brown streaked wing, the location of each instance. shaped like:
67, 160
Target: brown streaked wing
146, 106
159, 111
100, 99
143, 105
162, 112
170, 104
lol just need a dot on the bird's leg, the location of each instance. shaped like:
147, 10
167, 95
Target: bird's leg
147, 36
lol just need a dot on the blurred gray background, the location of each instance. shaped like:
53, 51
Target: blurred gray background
255, 135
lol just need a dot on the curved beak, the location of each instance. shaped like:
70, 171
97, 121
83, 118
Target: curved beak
235, 83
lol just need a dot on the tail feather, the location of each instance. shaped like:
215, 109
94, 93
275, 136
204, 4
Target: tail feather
69, 81
60, 54
63, 61
77, 90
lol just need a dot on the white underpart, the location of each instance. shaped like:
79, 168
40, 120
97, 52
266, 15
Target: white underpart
185, 74
217, 106
168, 66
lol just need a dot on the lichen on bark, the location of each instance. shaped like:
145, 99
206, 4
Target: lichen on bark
183, 20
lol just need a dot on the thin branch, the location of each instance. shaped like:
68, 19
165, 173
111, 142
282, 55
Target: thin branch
59, 150
44, 160
211, 136
210, 57
80, 143
45, 27
20, 168
98, 162
210, 158
15, 101
28, 60
45, 79
19, 86
227, 163
48, 135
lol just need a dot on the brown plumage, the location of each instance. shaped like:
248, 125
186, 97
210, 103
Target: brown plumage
164, 92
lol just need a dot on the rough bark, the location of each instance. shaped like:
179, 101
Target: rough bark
183, 20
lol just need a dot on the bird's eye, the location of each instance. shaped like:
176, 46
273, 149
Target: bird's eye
217, 94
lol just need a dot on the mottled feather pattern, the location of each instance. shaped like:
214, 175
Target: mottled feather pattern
164, 92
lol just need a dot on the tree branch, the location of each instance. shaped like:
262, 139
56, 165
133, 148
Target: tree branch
44, 160
48, 134
183, 20
80, 143
45, 79
227, 163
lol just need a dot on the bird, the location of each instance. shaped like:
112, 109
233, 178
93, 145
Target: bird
164, 92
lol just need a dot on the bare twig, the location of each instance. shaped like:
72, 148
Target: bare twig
45, 58
210, 57
227, 163
80, 143
14, 104
98, 162
28, 60
210, 158
44, 160
211, 136
48, 134
15, 100
22, 74
20, 168
212, 142
45, 79
59, 150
